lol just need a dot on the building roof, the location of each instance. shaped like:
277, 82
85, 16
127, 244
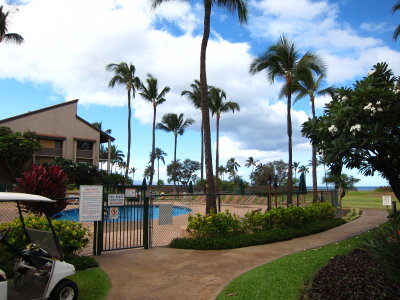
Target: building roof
103, 135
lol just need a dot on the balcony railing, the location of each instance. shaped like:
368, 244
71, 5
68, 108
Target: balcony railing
51, 152
84, 153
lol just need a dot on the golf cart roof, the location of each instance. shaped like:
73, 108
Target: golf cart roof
5, 196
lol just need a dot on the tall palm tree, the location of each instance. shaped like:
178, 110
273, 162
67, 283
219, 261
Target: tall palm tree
240, 7
396, 32
150, 93
283, 60
251, 162
124, 74
296, 165
117, 156
309, 84
222, 170
175, 124
159, 155
218, 106
232, 166
132, 171
5, 36
194, 97
303, 169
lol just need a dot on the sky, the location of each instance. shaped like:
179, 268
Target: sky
68, 43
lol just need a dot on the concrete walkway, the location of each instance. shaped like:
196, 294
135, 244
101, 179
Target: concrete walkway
164, 273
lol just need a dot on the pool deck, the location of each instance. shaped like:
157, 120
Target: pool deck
165, 273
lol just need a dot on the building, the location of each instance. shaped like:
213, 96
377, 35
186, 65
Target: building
61, 133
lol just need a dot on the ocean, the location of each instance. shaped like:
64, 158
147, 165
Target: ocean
359, 188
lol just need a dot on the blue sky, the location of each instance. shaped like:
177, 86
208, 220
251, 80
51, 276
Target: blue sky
69, 43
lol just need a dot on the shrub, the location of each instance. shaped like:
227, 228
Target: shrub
47, 181
385, 247
81, 262
221, 223
384, 189
73, 236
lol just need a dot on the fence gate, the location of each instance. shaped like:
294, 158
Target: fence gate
126, 219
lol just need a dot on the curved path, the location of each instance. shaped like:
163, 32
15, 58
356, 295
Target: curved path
165, 273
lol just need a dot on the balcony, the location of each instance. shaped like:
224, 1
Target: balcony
84, 153
49, 152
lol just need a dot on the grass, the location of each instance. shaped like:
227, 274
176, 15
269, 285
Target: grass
366, 199
93, 284
284, 278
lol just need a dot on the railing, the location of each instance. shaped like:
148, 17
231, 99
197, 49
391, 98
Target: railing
53, 152
84, 153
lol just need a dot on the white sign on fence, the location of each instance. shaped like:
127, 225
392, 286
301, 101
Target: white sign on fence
114, 213
116, 199
90, 203
130, 193
387, 200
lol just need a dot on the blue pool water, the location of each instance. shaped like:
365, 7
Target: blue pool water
125, 213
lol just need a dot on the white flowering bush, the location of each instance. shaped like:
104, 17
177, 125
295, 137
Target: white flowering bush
360, 127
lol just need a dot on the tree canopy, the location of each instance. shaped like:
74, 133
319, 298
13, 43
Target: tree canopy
360, 127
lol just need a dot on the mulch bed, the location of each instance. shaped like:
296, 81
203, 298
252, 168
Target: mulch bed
355, 275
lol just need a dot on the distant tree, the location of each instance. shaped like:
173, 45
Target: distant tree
16, 150
183, 172
132, 171
303, 169
276, 169
147, 172
175, 124
343, 183
151, 94
5, 36
124, 74
222, 170
232, 167
296, 165
159, 155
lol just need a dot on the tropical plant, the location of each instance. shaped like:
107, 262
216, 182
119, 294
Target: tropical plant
5, 36
159, 155
240, 7
175, 124
342, 182
47, 181
251, 162
183, 172
359, 128
218, 106
309, 84
124, 74
147, 172
151, 94
396, 32
232, 166
283, 60
222, 170
303, 169
296, 165
132, 171
194, 97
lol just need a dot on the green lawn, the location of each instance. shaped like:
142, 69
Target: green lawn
93, 284
365, 199
284, 278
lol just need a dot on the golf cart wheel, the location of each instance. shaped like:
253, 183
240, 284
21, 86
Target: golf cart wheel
65, 290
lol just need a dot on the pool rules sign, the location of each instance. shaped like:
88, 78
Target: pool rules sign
90, 203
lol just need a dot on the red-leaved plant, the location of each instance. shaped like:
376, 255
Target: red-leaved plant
47, 181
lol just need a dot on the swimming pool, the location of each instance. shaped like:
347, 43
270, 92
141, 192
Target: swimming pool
125, 213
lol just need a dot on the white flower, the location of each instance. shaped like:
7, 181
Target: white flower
355, 128
378, 102
379, 109
344, 98
371, 72
368, 106
332, 129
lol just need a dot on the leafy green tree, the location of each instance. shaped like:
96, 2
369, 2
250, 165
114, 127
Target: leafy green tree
183, 172
124, 75
283, 60
232, 167
147, 172
396, 32
219, 106
5, 36
240, 7
175, 124
342, 182
277, 169
151, 94
16, 150
360, 127
310, 84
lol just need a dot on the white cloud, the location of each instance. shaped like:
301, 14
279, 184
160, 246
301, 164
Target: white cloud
375, 27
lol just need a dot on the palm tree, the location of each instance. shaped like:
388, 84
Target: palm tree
321, 161
283, 60
296, 165
4, 35
304, 169
116, 155
232, 166
222, 170
124, 74
218, 106
147, 172
194, 97
150, 93
396, 32
133, 171
175, 124
240, 7
343, 183
309, 84
159, 155
251, 162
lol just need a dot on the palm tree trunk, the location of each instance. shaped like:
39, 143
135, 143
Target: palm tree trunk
314, 160
202, 155
128, 156
210, 201
217, 157
176, 142
153, 146
289, 132
158, 170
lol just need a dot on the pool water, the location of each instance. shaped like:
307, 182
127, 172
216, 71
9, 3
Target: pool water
125, 213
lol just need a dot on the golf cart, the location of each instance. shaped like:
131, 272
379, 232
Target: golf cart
41, 271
